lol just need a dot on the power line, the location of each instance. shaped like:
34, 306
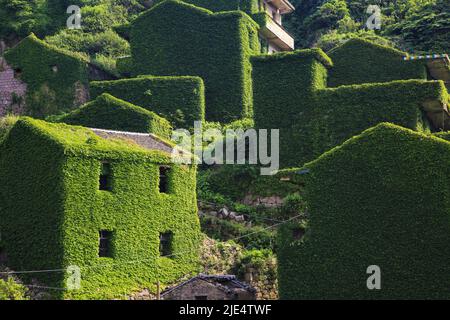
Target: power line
153, 258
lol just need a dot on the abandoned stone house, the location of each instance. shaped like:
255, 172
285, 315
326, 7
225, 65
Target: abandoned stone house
96, 199
38, 79
211, 287
12, 90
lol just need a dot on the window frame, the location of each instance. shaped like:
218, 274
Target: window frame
166, 245
105, 180
105, 243
164, 179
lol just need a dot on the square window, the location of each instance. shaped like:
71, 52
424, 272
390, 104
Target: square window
104, 247
164, 179
298, 233
105, 177
17, 73
165, 244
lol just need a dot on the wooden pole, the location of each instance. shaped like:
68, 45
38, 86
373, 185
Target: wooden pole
158, 290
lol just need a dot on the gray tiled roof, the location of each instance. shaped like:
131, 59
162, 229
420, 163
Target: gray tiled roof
146, 140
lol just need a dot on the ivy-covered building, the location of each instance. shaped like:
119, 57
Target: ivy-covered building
108, 112
40, 79
379, 199
188, 39
321, 100
110, 203
267, 13
180, 100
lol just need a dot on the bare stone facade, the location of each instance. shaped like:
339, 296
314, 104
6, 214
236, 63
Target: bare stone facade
210, 287
12, 91
268, 202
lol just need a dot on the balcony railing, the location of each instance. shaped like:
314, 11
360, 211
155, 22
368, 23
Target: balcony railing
276, 34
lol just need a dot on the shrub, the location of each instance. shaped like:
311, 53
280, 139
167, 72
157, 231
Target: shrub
256, 237
106, 43
11, 290
261, 261
6, 123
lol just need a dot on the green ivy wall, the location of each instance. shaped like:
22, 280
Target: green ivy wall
52, 210
181, 100
381, 198
49, 91
108, 112
182, 39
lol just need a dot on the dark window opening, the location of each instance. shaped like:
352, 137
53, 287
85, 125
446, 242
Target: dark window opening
201, 297
17, 73
298, 233
165, 244
104, 247
105, 177
164, 179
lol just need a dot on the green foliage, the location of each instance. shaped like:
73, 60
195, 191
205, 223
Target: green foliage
247, 6
256, 237
178, 41
48, 91
6, 123
334, 39
361, 61
261, 261
11, 290
178, 99
293, 205
316, 118
380, 199
108, 112
443, 135
20, 17
417, 25
98, 22
234, 182
106, 43
424, 28
51, 210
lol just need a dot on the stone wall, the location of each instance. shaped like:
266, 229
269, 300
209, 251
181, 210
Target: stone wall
268, 202
12, 91
196, 289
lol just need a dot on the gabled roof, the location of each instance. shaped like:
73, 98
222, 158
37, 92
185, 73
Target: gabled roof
226, 283
170, 5
32, 39
111, 113
360, 42
376, 136
146, 140
315, 53
83, 141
